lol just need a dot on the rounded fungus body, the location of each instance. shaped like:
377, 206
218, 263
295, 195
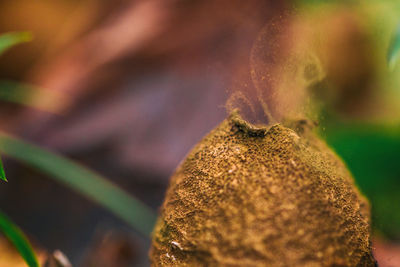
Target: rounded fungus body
262, 196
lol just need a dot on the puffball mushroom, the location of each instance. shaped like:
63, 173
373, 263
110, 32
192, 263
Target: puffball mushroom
262, 196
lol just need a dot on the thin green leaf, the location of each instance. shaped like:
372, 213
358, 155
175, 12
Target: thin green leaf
2, 173
18, 239
15, 92
8, 40
29, 95
394, 49
83, 180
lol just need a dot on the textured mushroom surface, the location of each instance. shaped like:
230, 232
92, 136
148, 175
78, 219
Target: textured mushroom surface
262, 196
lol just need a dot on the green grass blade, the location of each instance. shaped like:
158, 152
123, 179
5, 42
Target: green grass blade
8, 40
29, 95
16, 92
83, 180
394, 49
2, 173
18, 239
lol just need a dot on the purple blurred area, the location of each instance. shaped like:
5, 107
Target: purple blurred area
139, 83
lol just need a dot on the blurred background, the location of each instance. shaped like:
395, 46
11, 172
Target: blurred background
127, 87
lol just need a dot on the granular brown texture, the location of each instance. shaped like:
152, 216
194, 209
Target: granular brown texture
262, 196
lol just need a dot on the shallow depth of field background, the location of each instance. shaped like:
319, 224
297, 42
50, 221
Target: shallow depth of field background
126, 88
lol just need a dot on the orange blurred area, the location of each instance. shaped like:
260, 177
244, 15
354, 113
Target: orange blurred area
10, 257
